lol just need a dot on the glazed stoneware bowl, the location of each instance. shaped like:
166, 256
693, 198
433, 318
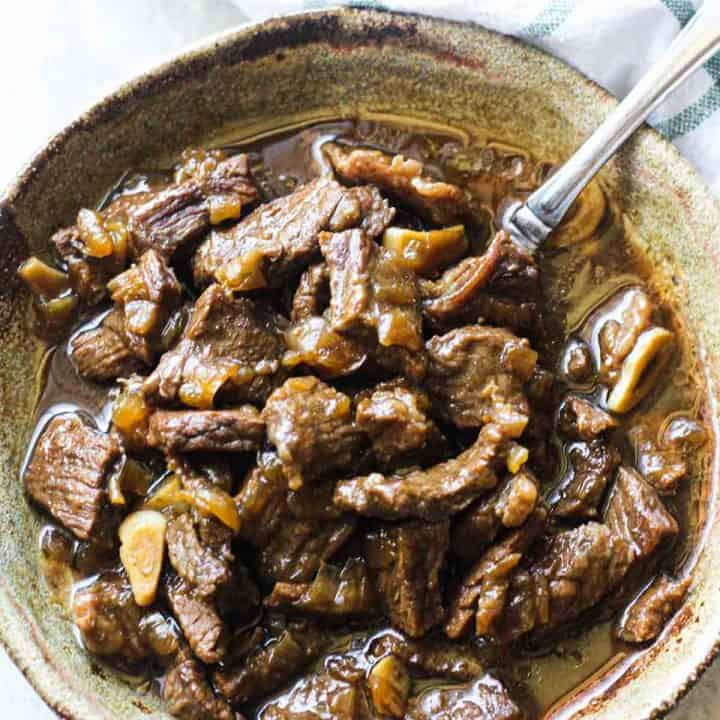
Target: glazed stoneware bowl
332, 64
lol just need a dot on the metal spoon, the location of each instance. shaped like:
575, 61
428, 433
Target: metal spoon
530, 223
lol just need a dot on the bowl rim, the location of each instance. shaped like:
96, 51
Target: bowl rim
173, 68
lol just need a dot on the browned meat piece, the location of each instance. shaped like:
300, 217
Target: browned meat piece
395, 417
313, 293
435, 493
311, 425
363, 207
195, 562
108, 618
480, 599
476, 375
281, 237
201, 624
402, 178
508, 506
231, 348
484, 699
406, 561
576, 363
579, 419
188, 694
69, 472
590, 469
237, 430
636, 514
335, 592
103, 353
292, 544
645, 618
370, 292
272, 665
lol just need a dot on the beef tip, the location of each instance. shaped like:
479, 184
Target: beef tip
395, 417
201, 624
281, 237
576, 363
364, 207
590, 469
231, 348
636, 514
435, 493
370, 292
580, 419
292, 544
480, 599
508, 506
406, 561
335, 592
237, 430
647, 615
188, 694
404, 179
69, 472
311, 425
195, 562
103, 353
484, 699
476, 375
313, 293
272, 665
108, 618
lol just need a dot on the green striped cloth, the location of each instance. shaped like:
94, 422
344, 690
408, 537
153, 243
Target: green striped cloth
611, 41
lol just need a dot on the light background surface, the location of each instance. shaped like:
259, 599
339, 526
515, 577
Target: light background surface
57, 57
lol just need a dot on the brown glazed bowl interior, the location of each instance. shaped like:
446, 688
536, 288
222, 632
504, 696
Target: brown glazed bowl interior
330, 64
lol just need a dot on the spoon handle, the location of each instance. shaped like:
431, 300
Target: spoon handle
698, 40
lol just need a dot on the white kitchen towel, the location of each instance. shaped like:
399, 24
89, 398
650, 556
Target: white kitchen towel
611, 41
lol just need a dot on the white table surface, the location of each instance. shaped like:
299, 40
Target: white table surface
57, 58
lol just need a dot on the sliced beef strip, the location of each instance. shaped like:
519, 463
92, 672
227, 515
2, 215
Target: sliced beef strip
484, 699
580, 419
188, 694
591, 467
283, 234
645, 618
395, 417
406, 561
313, 293
230, 348
237, 430
199, 620
311, 425
476, 375
508, 506
108, 618
435, 493
364, 207
69, 472
404, 179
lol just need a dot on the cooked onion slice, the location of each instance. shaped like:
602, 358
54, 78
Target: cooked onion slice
426, 252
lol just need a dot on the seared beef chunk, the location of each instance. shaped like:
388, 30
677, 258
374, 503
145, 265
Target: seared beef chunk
108, 618
648, 614
484, 699
313, 293
579, 419
201, 624
281, 237
402, 178
311, 425
188, 694
590, 469
508, 506
272, 665
230, 349
476, 375
395, 417
407, 561
437, 492
69, 472
335, 592
237, 430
